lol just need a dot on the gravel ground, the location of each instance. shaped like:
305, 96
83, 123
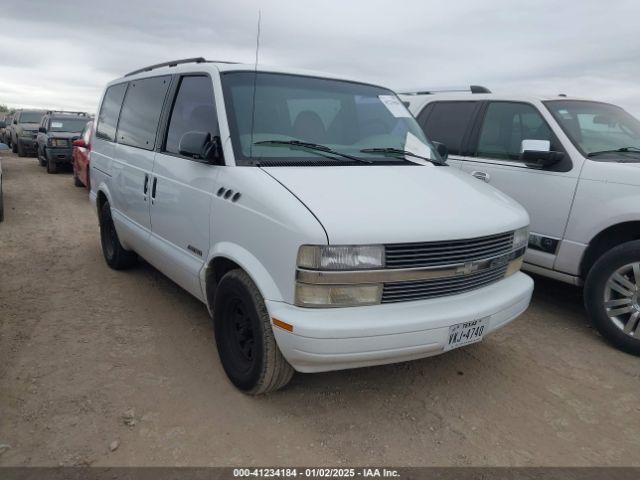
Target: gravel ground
119, 368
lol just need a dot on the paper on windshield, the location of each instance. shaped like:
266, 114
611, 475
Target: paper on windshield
395, 106
56, 124
414, 145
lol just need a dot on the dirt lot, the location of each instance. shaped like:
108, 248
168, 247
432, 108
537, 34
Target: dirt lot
81, 346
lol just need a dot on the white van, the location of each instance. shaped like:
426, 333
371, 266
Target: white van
308, 212
574, 164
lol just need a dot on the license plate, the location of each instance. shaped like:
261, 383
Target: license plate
465, 333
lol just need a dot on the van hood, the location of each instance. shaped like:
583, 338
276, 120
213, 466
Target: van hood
397, 204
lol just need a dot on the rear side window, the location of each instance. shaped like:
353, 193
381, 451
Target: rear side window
448, 122
109, 111
141, 110
193, 110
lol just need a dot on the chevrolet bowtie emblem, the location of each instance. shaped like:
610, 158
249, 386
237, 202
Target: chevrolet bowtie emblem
468, 268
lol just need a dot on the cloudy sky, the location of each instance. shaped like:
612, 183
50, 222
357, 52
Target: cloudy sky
60, 53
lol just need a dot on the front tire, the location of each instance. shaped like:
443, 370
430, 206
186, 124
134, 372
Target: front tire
52, 166
21, 151
14, 147
114, 253
612, 296
244, 336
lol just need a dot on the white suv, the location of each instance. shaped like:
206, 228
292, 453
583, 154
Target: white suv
309, 213
575, 166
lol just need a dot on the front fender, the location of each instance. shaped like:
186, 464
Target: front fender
599, 205
249, 263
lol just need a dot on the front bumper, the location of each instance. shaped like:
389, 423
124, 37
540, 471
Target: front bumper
28, 144
59, 155
341, 338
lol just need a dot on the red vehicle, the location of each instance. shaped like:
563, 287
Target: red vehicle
80, 157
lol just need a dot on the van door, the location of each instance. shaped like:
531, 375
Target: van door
134, 156
182, 187
546, 194
449, 122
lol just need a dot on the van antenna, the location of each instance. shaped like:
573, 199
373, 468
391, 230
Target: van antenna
255, 76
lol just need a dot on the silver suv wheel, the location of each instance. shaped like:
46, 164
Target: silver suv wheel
622, 299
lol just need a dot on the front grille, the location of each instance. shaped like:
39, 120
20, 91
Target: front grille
428, 254
440, 287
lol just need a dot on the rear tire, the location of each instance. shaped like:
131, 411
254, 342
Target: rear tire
244, 336
114, 253
621, 263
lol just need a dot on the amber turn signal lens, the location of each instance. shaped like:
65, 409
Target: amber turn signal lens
283, 325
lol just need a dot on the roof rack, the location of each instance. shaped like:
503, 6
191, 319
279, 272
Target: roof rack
67, 112
431, 91
174, 63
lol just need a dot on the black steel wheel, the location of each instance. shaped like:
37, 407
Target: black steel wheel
244, 336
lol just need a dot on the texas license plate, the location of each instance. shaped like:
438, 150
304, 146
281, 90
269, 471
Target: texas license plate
465, 333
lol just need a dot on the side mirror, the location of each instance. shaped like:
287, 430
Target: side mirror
201, 146
442, 149
79, 143
538, 154
42, 129
15, 122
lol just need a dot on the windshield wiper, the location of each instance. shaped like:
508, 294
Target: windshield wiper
395, 152
314, 147
617, 150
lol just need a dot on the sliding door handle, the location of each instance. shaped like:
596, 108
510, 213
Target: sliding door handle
146, 183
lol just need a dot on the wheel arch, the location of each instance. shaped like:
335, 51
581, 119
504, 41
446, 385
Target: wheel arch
607, 239
226, 257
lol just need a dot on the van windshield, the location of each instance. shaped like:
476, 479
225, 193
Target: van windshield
343, 117
596, 127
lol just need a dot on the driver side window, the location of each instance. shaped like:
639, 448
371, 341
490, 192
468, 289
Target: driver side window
506, 125
194, 110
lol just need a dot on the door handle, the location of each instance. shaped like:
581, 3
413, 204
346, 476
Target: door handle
484, 176
153, 189
146, 185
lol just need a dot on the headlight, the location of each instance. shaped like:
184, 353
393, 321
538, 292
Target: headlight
337, 295
520, 238
58, 142
345, 257
520, 241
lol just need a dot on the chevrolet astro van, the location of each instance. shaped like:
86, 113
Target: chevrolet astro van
308, 212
